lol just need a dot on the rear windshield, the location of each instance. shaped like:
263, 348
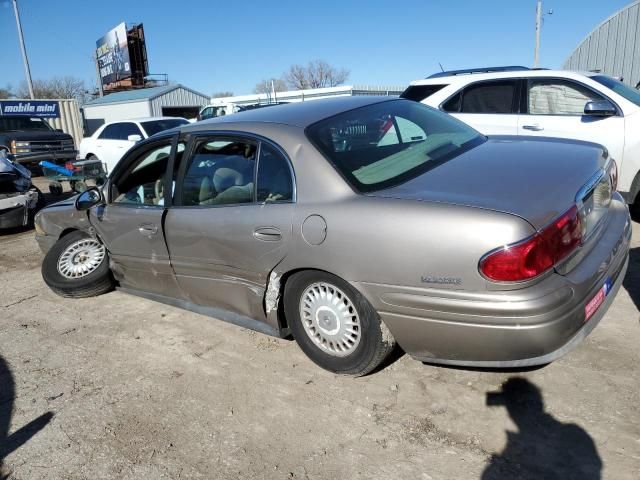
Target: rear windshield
19, 123
620, 88
156, 126
389, 143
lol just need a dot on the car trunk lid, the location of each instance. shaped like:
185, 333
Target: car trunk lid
536, 179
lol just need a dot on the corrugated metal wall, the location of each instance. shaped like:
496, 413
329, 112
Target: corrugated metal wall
180, 97
70, 121
612, 48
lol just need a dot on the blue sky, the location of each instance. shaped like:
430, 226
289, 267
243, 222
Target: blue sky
231, 45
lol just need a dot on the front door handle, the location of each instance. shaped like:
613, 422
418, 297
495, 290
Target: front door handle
267, 234
533, 128
148, 229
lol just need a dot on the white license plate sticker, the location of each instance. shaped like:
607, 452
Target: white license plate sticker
598, 299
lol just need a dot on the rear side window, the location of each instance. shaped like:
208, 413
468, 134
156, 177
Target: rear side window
389, 143
220, 172
487, 97
418, 93
274, 176
559, 97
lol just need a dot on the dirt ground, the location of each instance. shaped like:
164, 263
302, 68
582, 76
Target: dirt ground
121, 387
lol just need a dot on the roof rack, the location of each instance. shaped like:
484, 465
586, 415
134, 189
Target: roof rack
512, 68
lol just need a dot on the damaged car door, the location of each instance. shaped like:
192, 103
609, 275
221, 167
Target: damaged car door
231, 221
130, 223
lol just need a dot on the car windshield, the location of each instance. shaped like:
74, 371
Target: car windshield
389, 143
154, 126
19, 123
620, 88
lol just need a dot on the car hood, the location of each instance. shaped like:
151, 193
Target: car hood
536, 179
36, 135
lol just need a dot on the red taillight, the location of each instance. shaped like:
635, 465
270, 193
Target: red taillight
536, 255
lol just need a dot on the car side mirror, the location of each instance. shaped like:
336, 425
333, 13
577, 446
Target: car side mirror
134, 138
600, 108
89, 198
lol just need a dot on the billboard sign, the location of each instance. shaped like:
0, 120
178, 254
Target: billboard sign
112, 53
31, 108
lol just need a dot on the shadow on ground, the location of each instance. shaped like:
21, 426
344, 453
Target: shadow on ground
11, 442
542, 447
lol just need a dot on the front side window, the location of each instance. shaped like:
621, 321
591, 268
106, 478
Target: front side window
559, 97
220, 172
127, 129
110, 132
620, 88
275, 183
157, 126
486, 97
389, 143
143, 183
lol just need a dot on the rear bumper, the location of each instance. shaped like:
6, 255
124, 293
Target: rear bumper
525, 327
53, 156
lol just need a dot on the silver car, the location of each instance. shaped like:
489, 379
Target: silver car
355, 223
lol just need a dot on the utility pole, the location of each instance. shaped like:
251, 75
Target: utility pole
536, 56
27, 70
100, 88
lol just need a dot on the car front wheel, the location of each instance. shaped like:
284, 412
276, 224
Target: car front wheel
77, 266
334, 324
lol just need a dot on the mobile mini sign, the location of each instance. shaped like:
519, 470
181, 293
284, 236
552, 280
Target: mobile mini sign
31, 108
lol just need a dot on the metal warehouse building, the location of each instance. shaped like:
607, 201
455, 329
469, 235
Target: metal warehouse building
172, 101
613, 48
305, 95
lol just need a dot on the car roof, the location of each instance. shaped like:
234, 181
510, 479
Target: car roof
300, 114
473, 77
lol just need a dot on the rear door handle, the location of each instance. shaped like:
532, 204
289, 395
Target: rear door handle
148, 229
267, 234
533, 128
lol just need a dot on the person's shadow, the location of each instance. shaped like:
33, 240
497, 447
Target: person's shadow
9, 443
543, 447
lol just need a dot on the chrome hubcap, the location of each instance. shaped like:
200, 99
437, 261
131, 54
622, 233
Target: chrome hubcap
330, 319
81, 258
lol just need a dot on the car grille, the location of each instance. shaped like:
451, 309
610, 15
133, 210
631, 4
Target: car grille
37, 146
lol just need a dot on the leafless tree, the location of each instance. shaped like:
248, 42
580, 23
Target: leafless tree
55, 87
317, 74
222, 94
265, 85
6, 92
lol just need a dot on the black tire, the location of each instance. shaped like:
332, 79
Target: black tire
376, 342
55, 188
95, 283
79, 186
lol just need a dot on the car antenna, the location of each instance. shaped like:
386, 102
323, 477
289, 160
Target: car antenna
441, 66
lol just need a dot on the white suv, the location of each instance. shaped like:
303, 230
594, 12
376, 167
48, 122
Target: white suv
550, 103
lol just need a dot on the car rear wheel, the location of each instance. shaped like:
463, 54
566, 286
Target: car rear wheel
77, 266
335, 326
